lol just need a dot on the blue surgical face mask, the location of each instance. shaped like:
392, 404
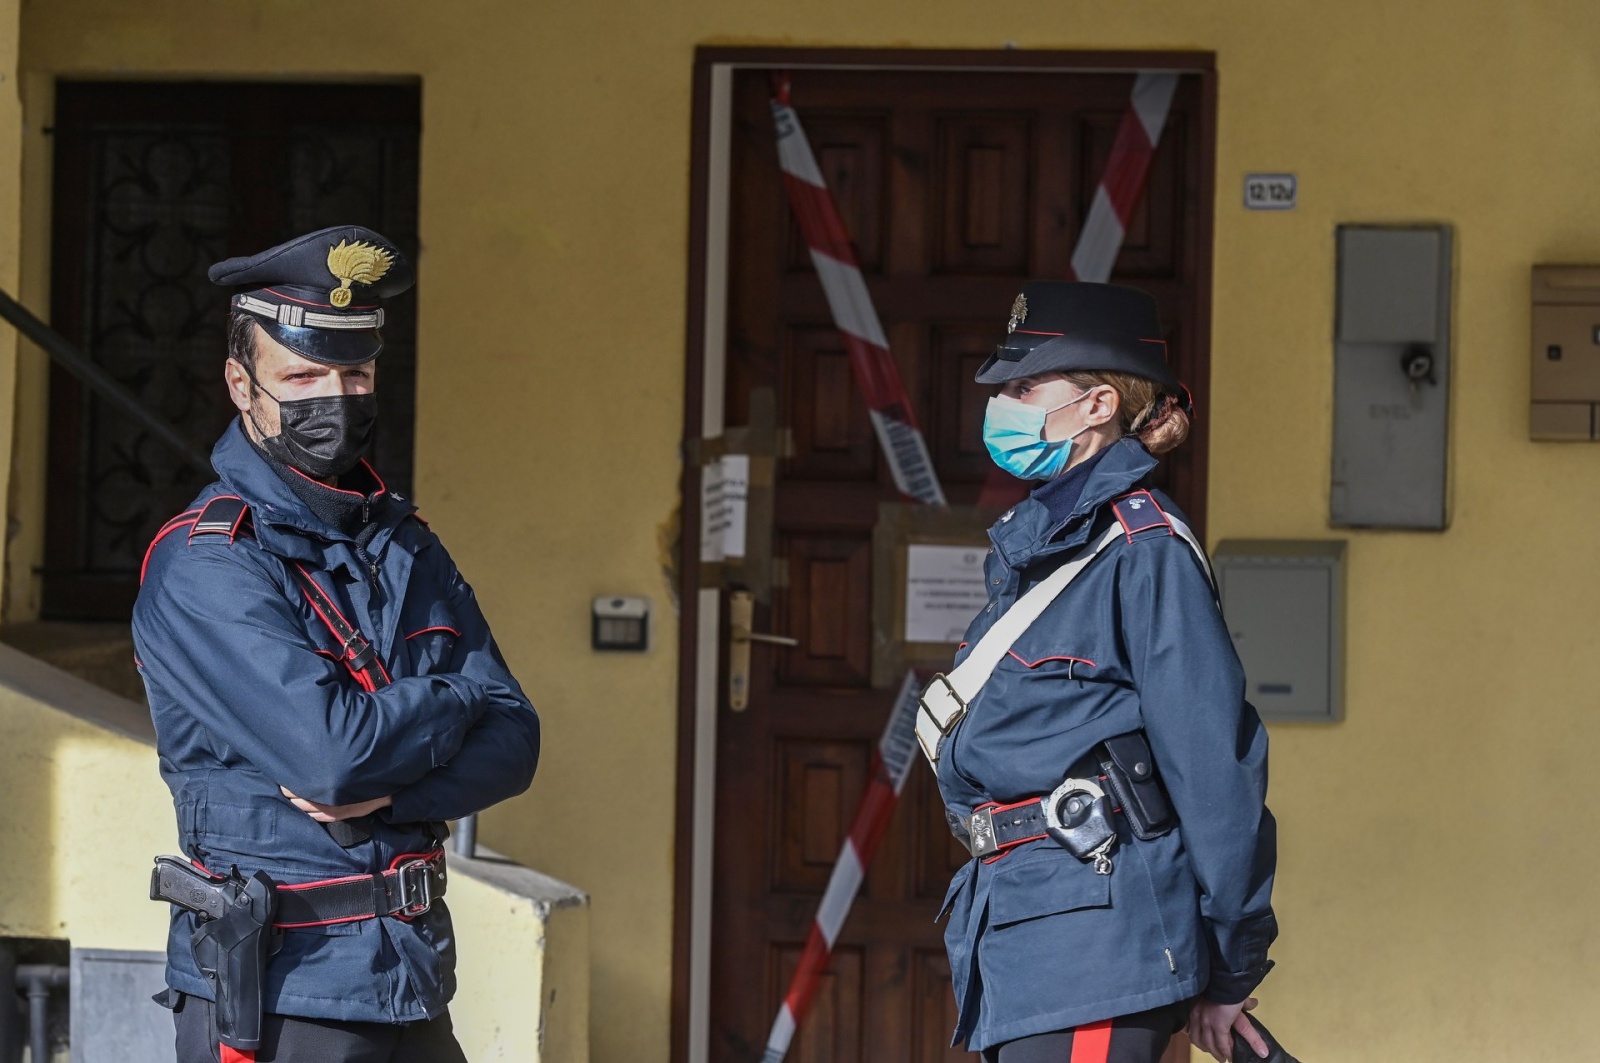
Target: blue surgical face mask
1014, 433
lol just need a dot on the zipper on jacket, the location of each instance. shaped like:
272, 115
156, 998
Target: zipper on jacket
369, 564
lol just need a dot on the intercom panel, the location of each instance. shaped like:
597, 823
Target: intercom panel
1565, 386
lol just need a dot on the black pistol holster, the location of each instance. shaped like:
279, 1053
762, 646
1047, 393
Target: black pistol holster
232, 942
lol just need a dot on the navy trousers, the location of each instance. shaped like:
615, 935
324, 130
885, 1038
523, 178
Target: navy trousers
290, 1040
1138, 1038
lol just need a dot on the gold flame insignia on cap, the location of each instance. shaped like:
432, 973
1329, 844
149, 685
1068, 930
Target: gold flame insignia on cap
1019, 313
359, 263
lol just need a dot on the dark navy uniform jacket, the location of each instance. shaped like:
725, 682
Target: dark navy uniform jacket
248, 694
1037, 940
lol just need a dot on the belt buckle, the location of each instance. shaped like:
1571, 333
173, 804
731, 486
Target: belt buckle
980, 833
945, 726
358, 651
411, 887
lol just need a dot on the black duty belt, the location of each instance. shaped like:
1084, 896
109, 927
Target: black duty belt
1120, 768
993, 829
405, 891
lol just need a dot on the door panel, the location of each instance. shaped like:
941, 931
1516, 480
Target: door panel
957, 186
829, 607
983, 193
824, 412
835, 1033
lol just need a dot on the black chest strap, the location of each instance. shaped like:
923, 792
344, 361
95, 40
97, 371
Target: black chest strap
361, 659
357, 654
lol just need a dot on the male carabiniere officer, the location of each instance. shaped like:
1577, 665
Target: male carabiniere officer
325, 691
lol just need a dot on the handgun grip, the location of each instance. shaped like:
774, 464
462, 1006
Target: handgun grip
179, 882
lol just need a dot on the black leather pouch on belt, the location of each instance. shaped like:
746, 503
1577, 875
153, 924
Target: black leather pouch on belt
231, 951
1131, 772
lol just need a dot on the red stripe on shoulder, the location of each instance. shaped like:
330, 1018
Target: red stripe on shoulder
170, 527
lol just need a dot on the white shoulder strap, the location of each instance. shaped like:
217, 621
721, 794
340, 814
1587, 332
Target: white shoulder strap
945, 700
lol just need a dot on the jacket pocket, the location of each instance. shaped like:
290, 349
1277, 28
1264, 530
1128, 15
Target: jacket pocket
238, 827
1046, 881
1039, 661
431, 644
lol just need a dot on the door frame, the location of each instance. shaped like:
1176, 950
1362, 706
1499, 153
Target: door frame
700, 620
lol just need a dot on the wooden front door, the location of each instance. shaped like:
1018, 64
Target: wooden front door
956, 185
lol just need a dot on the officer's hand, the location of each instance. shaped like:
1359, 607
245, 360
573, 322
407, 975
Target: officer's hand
335, 813
1211, 1027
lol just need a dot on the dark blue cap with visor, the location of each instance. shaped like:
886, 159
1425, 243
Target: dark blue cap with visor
320, 294
1075, 326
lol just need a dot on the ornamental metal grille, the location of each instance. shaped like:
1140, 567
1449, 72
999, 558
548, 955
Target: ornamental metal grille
153, 184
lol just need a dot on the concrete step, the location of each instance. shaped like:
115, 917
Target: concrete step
97, 653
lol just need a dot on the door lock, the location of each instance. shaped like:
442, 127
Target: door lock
741, 613
1417, 364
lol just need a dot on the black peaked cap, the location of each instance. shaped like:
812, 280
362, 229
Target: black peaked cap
1076, 326
320, 294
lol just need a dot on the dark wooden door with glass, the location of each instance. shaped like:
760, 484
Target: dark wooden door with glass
153, 183
956, 186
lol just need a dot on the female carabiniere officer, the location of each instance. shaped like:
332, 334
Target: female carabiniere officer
1107, 774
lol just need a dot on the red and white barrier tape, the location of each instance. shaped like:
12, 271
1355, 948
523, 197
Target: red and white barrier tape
834, 257
891, 764
1122, 184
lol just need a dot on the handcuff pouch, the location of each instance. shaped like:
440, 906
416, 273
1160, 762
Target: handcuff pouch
1131, 776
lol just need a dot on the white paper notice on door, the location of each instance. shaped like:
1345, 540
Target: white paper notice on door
944, 591
724, 506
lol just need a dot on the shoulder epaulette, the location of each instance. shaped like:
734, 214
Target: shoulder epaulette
225, 516
1141, 515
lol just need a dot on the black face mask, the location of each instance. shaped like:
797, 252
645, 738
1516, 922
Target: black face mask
321, 437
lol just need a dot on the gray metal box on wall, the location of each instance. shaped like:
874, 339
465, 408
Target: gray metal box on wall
1283, 601
1391, 391
113, 1017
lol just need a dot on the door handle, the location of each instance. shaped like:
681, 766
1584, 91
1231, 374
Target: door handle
741, 614
754, 636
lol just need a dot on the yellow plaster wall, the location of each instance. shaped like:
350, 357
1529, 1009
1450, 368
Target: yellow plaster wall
19, 601
524, 989
85, 807
11, 137
1437, 856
